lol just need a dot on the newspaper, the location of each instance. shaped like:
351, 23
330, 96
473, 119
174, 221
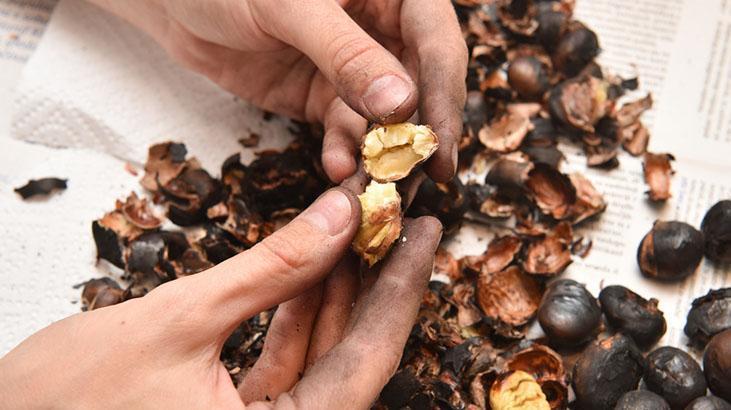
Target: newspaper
679, 49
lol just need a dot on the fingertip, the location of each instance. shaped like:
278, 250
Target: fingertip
442, 167
338, 163
428, 227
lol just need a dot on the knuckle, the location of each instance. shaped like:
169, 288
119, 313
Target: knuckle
349, 52
284, 252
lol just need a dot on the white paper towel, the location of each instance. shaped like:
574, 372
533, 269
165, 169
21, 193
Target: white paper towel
105, 92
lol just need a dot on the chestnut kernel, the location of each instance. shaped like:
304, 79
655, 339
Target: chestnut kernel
390, 152
380, 223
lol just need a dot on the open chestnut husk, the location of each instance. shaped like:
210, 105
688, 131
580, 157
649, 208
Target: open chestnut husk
509, 299
569, 314
605, 371
709, 403
546, 367
716, 228
528, 77
674, 375
391, 151
641, 400
672, 250
709, 315
717, 364
633, 315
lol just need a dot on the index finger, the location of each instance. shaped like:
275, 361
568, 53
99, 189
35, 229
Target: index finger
430, 29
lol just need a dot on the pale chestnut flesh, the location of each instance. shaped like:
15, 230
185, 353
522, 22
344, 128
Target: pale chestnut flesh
380, 223
390, 152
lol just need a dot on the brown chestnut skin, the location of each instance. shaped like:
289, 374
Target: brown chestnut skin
550, 25
569, 314
709, 403
528, 77
674, 375
672, 250
633, 315
709, 315
716, 228
717, 364
641, 400
605, 371
575, 50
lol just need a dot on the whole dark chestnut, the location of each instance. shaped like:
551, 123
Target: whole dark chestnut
569, 314
675, 375
672, 250
641, 400
550, 25
709, 403
709, 315
605, 371
717, 364
633, 315
577, 48
716, 228
528, 77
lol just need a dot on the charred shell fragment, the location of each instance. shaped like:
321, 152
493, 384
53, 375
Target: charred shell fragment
605, 371
381, 221
672, 250
242, 222
40, 187
709, 403
580, 102
397, 393
589, 201
99, 293
528, 77
190, 194
569, 314
546, 367
641, 400
390, 152
517, 389
709, 315
218, 245
551, 190
509, 174
506, 133
137, 211
716, 228
550, 255
674, 375
501, 251
633, 315
717, 365
577, 48
509, 299
111, 234
165, 161
446, 201
658, 174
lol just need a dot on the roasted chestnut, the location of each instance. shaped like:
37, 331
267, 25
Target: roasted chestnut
717, 364
641, 400
527, 76
577, 48
709, 315
569, 314
633, 315
446, 201
709, 403
605, 371
672, 250
675, 375
716, 228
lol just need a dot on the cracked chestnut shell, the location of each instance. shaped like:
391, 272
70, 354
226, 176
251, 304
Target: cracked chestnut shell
674, 375
99, 293
390, 152
509, 299
717, 365
569, 314
672, 250
576, 48
658, 174
641, 400
605, 371
633, 315
716, 228
517, 389
528, 77
709, 315
546, 367
380, 223
709, 403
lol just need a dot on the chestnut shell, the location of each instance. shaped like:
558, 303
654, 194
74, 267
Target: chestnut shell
575, 50
568, 313
717, 365
709, 315
709, 403
716, 228
633, 315
641, 400
675, 375
672, 250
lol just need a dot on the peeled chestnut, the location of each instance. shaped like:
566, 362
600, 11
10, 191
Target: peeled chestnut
380, 223
641, 400
575, 50
675, 375
391, 151
717, 364
517, 389
709, 315
569, 314
709, 403
528, 77
672, 250
716, 228
633, 315
606, 370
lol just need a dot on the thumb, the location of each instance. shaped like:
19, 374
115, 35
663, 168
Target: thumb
285, 264
365, 75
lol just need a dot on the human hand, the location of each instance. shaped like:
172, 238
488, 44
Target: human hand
163, 350
342, 63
